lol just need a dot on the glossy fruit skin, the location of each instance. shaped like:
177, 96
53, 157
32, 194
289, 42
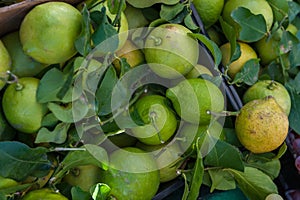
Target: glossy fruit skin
22, 64
247, 53
83, 176
20, 105
274, 197
132, 174
170, 52
160, 121
7, 182
44, 194
5, 62
264, 88
49, 30
262, 125
198, 70
209, 11
255, 6
192, 98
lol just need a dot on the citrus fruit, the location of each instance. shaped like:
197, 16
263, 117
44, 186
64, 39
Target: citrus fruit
159, 120
215, 35
268, 48
6, 131
272, 88
22, 65
5, 63
193, 98
83, 176
247, 53
131, 53
255, 6
132, 174
274, 197
209, 11
292, 29
44, 194
49, 30
135, 17
197, 71
168, 158
190, 133
7, 182
262, 125
170, 52
20, 106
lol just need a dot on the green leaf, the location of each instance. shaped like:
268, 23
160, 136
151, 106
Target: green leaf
169, 12
100, 191
18, 161
253, 27
230, 35
2, 196
224, 155
125, 67
249, 73
103, 31
49, 120
83, 42
294, 9
281, 151
294, 116
231, 137
116, 6
72, 112
58, 135
189, 22
221, 180
78, 194
255, 184
50, 85
148, 3
104, 92
212, 47
294, 56
236, 53
269, 166
196, 181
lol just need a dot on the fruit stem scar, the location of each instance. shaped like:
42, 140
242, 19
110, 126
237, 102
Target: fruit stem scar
271, 85
157, 40
153, 116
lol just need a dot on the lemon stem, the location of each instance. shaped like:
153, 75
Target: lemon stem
153, 116
271, 85
223, 113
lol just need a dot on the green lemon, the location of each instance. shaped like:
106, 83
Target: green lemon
22, 65
49, 30
83, 176
168, 158
44, 194
159, 120
255, 6
7, 182
189, 134
132, 174
280, 9
170, 52
5, 63
197, 71
209, 11
20, 106
274, 197
193, 98
135, 17
264, 88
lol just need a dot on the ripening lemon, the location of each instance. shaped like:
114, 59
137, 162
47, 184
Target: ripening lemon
170, 51
49, 30
255, 6
20, 105
247, 53
5, 63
